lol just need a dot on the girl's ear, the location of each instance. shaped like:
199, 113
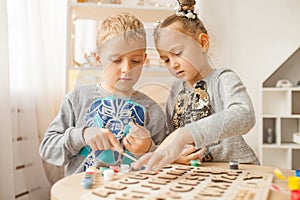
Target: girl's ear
204, 41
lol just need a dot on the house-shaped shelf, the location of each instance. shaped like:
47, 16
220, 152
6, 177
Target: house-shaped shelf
289, 69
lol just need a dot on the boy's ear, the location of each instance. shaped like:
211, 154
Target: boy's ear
204, 41
97, 58
145, 59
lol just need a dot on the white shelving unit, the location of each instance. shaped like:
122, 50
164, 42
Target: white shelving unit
281, 116
93, 12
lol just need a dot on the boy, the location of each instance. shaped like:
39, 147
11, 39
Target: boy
99, 122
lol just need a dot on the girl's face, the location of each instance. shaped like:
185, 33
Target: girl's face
122, 62
184, 57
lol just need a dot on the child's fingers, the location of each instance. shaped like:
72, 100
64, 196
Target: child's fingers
126, 144
93, 145
155, 162
130, 139
142, 161
138, 131
188, 150
103, 144
198, 154
194, 156
114, 143
160, 164
202, 152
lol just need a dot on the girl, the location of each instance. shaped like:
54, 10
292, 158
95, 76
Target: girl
209, 107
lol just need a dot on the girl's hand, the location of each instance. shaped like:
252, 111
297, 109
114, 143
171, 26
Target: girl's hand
167, 152
101, 139
154, 161
190, 153
138, 140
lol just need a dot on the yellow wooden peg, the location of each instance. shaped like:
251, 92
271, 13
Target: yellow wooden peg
279, 174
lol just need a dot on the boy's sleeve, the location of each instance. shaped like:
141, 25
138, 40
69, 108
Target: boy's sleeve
160, 122
170, 104
236, 117
157, 124
62, 140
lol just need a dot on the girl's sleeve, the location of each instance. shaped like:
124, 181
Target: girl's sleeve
236, 116
62, 140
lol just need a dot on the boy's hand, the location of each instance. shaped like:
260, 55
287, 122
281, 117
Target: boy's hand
138, 139
190, 153
101, 139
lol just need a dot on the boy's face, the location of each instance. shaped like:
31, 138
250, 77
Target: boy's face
122, 62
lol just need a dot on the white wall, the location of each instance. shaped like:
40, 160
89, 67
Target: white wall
253, 38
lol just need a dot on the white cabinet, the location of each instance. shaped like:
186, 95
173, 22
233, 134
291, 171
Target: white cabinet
88, 15
281, 116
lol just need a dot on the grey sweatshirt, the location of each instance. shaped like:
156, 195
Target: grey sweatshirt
232, 115
63, 140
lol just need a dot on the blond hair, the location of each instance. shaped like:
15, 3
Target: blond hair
123, 24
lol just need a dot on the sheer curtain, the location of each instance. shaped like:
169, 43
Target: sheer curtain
36, 34
6, 181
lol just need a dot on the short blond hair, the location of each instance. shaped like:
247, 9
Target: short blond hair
124, 24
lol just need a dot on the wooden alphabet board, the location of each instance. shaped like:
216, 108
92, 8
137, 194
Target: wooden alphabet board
185, 182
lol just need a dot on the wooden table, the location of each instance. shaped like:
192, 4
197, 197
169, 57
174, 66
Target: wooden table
70, 188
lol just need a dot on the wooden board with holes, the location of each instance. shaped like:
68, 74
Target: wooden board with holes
186, 182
